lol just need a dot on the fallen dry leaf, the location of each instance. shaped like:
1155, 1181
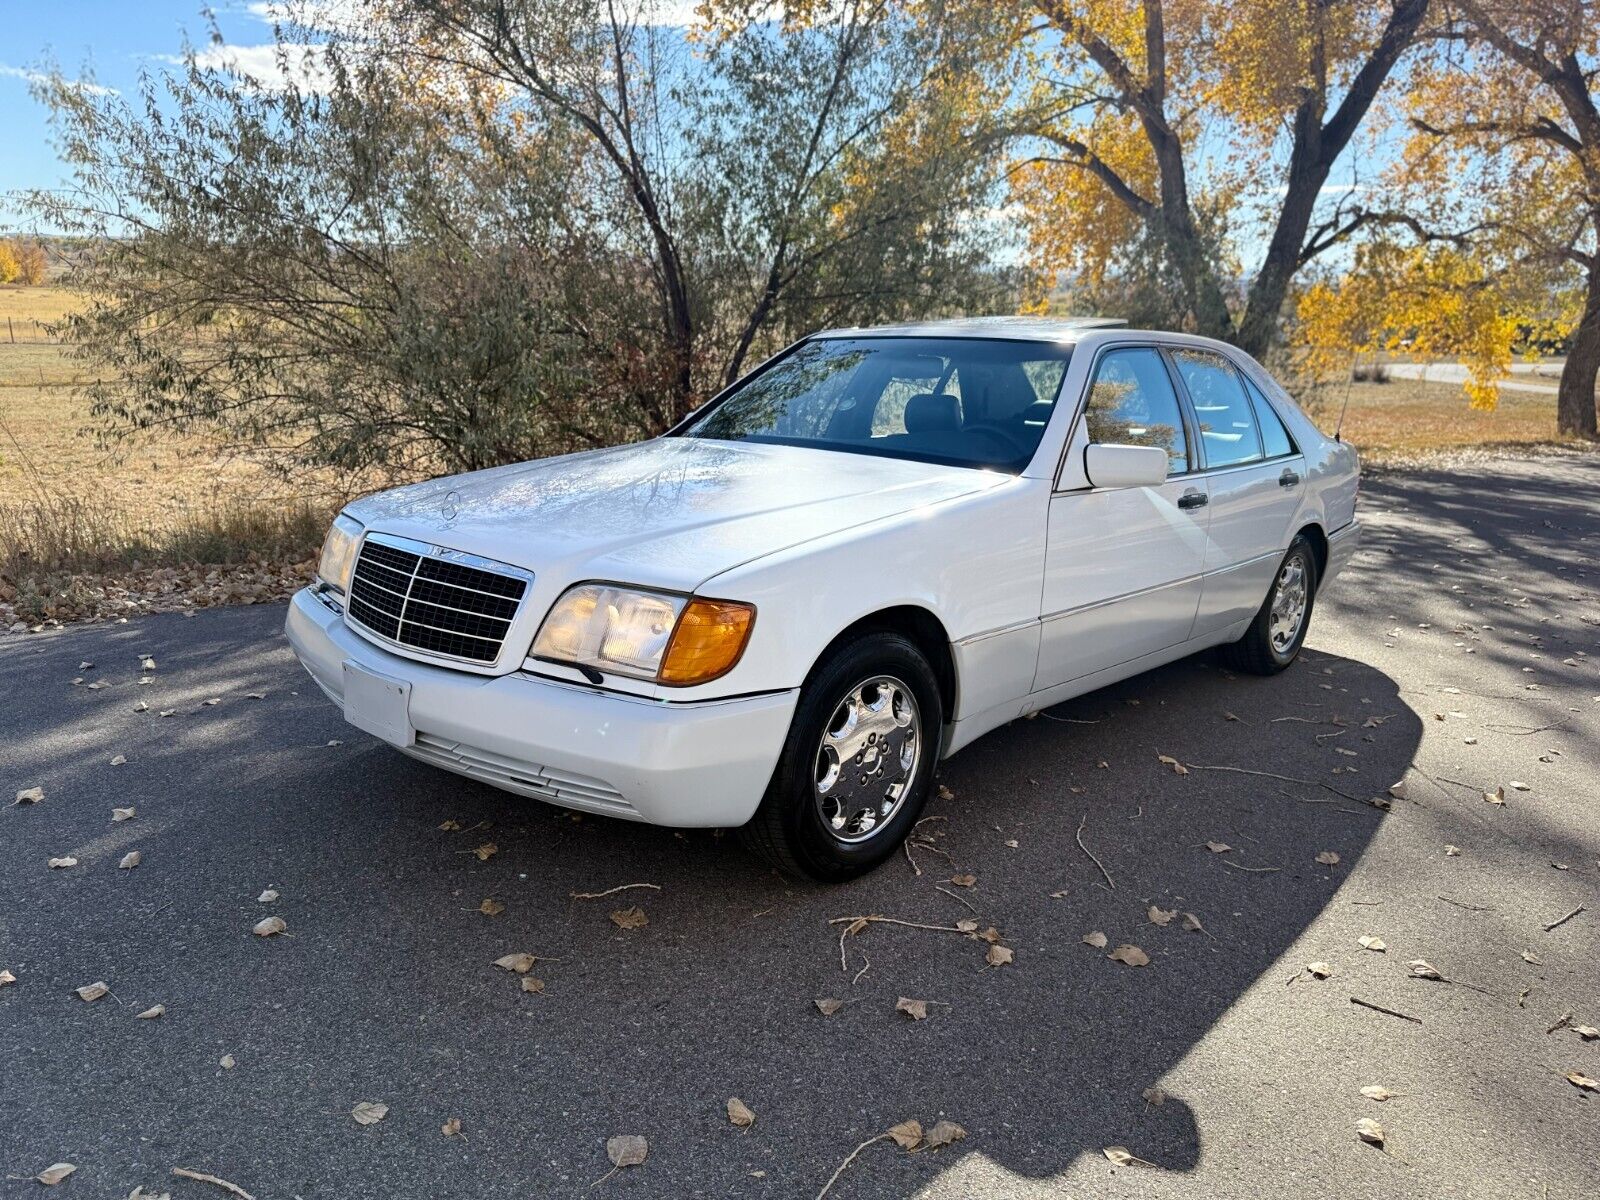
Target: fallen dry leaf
450, 826
944, 1133
1328, 858
1498, 796
227, 1062
1516, 785
1160, 916
150, 1014
739, 1113
827, 1007
147, 663
1131, 955
990, 935
1154, 1096
917, 1010
269, 926
627, 1150
369, 1112
130, 860
53, 1175
1530, 957
967, 925
267, 897
1319, 970
1218, 847
1370, 1131
907, 1134
1451, 851
1579, 1080
964, 881
1122, 1157
1398, 790
1376, 1091
520, 963
30, 795
535, 986
491, 907
1587, 1032
945, 793
1421, 968
122, 814
1095, 939
1368, 942
451, 1127
120, 760
630, 918
63, 862
999, 956
1177, 767
92, 991
486, 851
1192, 923
7, 978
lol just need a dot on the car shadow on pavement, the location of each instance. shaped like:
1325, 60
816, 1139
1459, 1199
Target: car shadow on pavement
384, 987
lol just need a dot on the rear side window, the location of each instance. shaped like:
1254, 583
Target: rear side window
1275, 439
1222, 410
1131, 403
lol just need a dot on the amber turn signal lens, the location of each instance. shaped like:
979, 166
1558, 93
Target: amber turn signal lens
708, 641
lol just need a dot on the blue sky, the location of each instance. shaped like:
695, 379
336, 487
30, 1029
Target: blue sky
115, 40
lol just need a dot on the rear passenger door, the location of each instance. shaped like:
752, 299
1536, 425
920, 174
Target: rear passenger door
1254, 475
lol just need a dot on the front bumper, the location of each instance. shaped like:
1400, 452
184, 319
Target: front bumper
697, 764
1342, 546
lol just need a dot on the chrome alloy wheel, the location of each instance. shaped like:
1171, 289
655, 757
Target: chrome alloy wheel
867, 758
1288, 604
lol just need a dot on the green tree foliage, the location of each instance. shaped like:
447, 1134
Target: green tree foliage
480, 232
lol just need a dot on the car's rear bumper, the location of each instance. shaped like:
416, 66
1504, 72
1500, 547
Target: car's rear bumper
683, 764
1342, 546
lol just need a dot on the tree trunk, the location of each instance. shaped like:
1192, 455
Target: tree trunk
1575, 399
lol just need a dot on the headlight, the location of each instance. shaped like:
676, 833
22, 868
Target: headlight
339, 552
674, 640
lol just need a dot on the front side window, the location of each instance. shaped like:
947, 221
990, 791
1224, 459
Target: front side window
1221, 409
963, 401
1131, 403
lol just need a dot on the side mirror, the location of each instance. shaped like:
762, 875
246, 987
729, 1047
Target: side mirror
1111, 466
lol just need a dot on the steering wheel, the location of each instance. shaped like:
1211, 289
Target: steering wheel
999, 433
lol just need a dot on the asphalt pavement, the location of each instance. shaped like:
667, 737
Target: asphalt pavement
1460, 654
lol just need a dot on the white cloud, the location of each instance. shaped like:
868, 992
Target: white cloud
82, 85
269, 66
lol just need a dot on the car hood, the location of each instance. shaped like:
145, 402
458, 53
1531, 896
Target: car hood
669, 513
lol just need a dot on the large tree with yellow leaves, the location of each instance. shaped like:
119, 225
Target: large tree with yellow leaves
1198, 124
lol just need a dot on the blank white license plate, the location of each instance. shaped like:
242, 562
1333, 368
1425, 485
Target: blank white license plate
378, 704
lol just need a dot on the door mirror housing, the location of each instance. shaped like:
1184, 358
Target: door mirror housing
1113, 466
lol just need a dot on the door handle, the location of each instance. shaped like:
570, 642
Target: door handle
1193, 500
1289, 478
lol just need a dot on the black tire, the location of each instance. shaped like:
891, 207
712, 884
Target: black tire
789, 829
1254, 652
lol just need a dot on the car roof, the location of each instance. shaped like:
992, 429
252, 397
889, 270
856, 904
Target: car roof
1022, 329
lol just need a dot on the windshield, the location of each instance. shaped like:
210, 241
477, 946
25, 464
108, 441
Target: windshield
963, 401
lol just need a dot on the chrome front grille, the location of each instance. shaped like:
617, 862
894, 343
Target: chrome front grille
433, 600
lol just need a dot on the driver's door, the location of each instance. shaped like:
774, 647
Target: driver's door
1122, 565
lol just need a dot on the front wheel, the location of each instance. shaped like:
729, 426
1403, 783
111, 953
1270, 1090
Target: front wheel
858, 763
1279, 630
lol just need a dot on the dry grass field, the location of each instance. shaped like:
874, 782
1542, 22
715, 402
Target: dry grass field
1404, 420
88, 528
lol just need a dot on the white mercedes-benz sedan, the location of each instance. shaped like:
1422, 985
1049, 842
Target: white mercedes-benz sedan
878, 546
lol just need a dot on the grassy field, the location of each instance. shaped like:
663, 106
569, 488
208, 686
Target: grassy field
1403, 420
94, 529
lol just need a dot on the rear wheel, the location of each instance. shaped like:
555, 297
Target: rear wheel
1274, 638
858, 763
